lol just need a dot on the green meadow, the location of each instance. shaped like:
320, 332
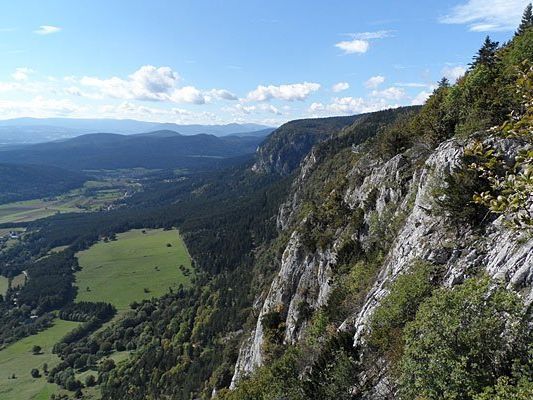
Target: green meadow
133, 267
4, 285
18, 359
30, 210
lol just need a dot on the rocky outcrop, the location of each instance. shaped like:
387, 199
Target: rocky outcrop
401, 192
291, 142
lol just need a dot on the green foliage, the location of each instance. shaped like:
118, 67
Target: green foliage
461, 341
510, 184
454, 198
398, 308
506, 390
334, 371
527, 20
279, 380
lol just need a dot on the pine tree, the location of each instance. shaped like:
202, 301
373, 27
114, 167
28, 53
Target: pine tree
486, 55
527, 20
443, 83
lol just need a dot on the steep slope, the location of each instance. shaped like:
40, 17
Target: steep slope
435, 194
289, 143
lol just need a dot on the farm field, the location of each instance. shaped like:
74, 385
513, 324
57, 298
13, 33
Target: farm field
18, 359
93, 196
134, 267
18, 280
4, 284
30, 210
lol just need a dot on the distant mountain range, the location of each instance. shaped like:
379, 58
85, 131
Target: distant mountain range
160, 149
38, 130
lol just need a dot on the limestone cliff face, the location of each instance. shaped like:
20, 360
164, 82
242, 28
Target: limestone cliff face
400, 191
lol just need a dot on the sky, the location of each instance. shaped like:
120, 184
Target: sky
223, 61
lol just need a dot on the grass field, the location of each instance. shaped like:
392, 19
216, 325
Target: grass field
19, 280
17, 359
119, 271
93, 196
4, 284
29, 210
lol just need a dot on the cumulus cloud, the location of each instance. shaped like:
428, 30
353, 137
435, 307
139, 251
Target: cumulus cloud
21, 74
47, 29
38, 106
188, 94
360, 42
290, 92
374, 81
151, 83
392, 93
452, 73
340, 86
147, 83
349, 105
220, 94
420, 98
260, 108
487, 15
353, 46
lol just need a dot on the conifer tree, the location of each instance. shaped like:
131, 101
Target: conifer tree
486, 54
527, 20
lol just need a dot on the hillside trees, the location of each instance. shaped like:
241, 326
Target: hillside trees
527, 20
462, 340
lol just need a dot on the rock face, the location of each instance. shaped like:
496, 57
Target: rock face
291, 142
401, 191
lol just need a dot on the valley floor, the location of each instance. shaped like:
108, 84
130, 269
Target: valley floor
137, 265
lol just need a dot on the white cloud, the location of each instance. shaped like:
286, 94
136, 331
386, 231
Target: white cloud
47, 29
412, 84
21, 74
349, 105
254, 109
487, 15
353, 46
290, 92
38, 106
360, 41
340, 86
374, 81
188, 94
392, 93
147, 83
371, 35
453, 72
220, 94
420, 98
150, 83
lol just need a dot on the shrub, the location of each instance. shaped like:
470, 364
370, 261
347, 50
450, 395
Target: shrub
398, 308
461, 341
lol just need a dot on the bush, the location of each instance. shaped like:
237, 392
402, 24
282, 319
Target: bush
461, 341
399, 308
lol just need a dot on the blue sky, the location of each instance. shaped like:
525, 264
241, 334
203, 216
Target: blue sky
235, 61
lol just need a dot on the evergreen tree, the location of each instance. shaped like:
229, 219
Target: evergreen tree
486, 55
527, 20
443, 83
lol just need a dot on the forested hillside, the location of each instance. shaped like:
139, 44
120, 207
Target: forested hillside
21, 182
160, 149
